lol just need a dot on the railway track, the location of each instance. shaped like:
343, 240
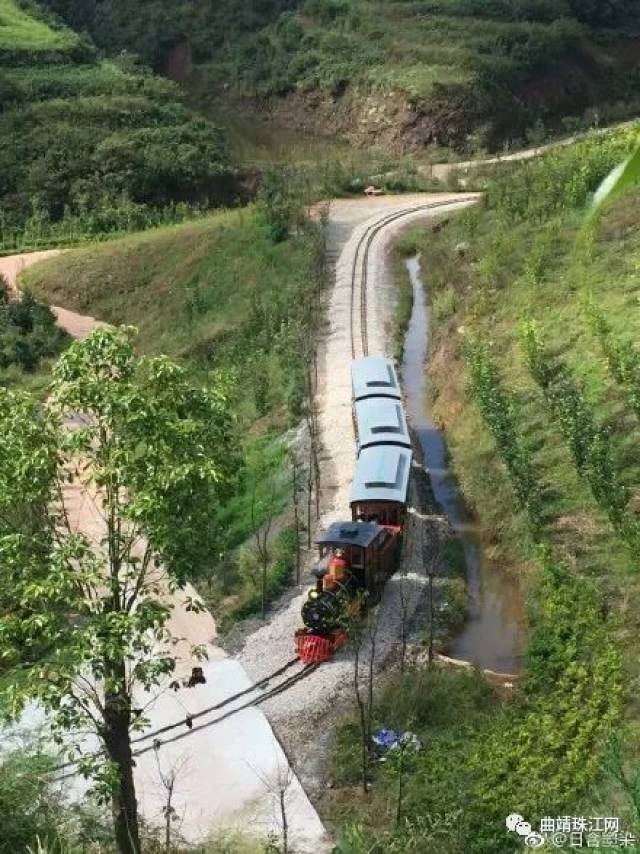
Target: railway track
262, 689
148, 741
360, 272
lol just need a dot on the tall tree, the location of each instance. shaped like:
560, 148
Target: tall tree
85, 600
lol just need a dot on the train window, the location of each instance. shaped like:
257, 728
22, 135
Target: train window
357, 561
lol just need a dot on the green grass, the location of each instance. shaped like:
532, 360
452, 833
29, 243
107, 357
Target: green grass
218, 296
527, 256
192, 290
38, 83
21, 31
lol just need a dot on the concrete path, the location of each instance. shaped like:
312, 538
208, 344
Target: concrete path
227, 775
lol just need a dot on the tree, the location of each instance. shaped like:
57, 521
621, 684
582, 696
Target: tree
361, 632
85, 603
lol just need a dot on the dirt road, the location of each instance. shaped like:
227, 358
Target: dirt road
441, 171
11, 266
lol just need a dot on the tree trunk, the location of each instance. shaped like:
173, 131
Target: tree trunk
117, 718
296, 513
373, 632
432, 617
285, 823
309, 501
363, 717
400, 787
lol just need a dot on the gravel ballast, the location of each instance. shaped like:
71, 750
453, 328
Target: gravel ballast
295, 712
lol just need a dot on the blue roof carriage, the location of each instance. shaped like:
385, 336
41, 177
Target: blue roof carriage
381, 421
374, 376
382, 474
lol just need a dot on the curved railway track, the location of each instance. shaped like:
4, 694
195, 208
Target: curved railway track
151, 740
360, 271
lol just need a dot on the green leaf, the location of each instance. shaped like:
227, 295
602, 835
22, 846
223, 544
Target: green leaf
624, 176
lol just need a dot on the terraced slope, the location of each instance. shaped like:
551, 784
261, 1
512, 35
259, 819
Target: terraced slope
91, 146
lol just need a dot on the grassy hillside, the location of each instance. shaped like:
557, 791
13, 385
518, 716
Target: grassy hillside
20, 31
213, 293
89, 146
535, 374
218, 295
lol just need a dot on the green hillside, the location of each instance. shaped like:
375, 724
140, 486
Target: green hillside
91, 146
393, 73
202, 293
20, 32
535, 375
442, 69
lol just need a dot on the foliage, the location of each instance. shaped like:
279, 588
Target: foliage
92, 145
28, 332
560, 181
279, 575
30, 809
277, 202
590, 445
150, 448
471, 67
497, 408
482, 760
623, 359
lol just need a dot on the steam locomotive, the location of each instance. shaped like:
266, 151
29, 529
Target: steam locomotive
357, 557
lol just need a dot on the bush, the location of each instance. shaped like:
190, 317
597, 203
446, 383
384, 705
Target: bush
28, 333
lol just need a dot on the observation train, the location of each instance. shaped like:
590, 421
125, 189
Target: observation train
357, 556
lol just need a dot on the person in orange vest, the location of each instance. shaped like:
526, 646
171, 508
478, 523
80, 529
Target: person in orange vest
338, 571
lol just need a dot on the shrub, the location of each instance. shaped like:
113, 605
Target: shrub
28, 333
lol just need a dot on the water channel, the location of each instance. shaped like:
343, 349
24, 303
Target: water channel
493, 635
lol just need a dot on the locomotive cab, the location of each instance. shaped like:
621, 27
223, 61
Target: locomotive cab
367, 548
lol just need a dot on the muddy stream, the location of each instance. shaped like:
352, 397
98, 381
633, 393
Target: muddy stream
493, 635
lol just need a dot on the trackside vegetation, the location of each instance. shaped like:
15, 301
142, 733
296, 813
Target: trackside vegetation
533, 375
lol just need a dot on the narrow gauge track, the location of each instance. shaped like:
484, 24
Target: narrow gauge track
360, 342
362, 250
187, 721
